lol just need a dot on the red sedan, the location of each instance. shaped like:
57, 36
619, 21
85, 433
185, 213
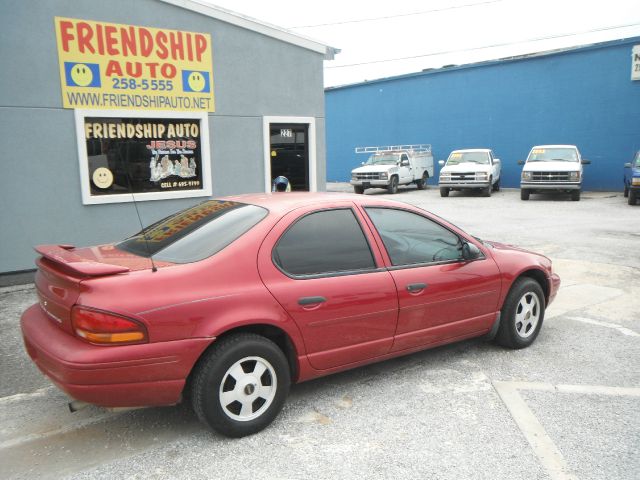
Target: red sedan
235, 298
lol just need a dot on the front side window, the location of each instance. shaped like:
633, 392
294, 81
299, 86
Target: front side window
329, 241
410, 238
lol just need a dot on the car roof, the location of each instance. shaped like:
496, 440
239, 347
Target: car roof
485, 150
554, 146
283, 202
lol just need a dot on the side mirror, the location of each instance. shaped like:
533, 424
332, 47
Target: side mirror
585, 162
496, 160
361, 163
441, 163
627, 165
520, 162
470, 251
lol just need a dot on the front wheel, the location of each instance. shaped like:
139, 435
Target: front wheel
496, 186
240, 385
522, 314
358, 189
626, 191
575, 195
393, 185
486, 192
633, 197
444, 192
524, 194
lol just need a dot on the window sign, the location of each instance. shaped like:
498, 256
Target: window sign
149, 155
635, 63
108, 65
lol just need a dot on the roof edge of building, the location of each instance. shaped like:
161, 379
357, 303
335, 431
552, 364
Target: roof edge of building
485, 63
255, 25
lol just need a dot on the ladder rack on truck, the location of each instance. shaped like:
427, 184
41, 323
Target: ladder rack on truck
421, 147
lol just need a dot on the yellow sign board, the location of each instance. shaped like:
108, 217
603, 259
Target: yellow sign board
111, 66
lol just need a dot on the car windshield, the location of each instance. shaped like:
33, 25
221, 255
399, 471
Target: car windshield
194, 233
468, 157
383, 159
553, 155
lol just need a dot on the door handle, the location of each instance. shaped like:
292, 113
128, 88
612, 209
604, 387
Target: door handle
311, 300
416, 287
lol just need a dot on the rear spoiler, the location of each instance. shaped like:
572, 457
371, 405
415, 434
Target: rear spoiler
60, 254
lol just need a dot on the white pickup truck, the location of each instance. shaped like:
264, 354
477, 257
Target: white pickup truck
552, 168
470, 169
393, 165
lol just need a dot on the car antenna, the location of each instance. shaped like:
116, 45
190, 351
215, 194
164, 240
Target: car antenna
135, 204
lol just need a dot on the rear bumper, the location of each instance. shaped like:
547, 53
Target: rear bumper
110, 376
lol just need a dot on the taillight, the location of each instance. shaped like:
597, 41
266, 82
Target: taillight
105, 328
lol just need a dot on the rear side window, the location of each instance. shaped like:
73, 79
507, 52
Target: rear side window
329, 241
410, 238
195, 233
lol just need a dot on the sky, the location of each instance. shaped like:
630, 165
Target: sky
380, 39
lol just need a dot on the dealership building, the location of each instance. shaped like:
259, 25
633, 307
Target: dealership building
587, 96
165, 102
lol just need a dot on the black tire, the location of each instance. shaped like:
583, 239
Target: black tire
524, 194
626, 191
422, 183
393, 185
513, 332
575, 195
486, 192
244, 349
633, 197
444, 192
496, 186
358, 190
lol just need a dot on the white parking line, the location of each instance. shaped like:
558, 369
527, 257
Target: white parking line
620, 328
544, 448
549, 455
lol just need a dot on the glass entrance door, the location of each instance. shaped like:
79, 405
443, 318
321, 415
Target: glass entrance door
290, 154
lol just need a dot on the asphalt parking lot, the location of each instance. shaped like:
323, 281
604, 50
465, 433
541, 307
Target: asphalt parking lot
567, 407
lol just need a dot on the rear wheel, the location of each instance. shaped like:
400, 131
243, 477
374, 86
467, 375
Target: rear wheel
422, 183
633, 197
358, 189
575, 195
522, 314
241, 384
524, 194
444, 192
393, 185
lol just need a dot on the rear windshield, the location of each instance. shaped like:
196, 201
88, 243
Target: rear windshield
468, 157
553, 155
195, 233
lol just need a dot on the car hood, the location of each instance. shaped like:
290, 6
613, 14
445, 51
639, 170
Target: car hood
507, 249
552, 167
465, 167
373, 168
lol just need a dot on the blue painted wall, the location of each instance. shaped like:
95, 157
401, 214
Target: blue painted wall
583, 97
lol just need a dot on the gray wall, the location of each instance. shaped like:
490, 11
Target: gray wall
40, 199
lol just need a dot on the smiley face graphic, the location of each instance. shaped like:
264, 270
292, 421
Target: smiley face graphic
196, 81
102, 177
81, 75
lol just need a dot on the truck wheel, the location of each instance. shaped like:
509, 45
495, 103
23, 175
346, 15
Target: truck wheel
626, 191
486, 192
358, 190
240, 385
496, 186
444, 192
575, 195
422, 183
393, 185
633, 197
524, 194
522, 314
